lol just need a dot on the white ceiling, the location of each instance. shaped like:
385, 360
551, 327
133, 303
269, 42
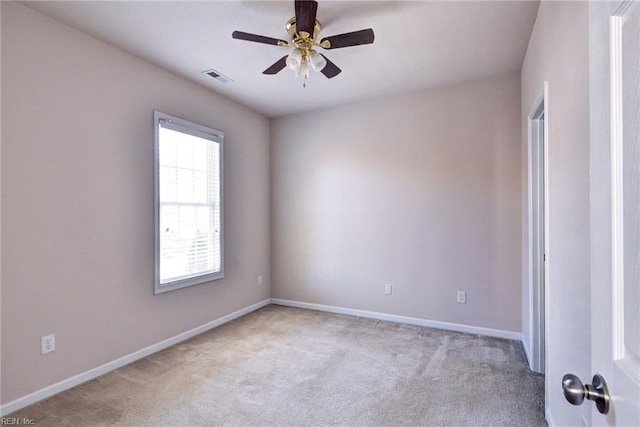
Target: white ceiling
418, 45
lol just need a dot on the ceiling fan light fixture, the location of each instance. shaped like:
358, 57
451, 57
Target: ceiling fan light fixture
303, 70
294, 60
317, 61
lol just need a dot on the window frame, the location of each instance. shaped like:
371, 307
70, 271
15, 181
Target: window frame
194, 129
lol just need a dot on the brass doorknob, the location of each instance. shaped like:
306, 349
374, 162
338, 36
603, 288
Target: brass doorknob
575, 392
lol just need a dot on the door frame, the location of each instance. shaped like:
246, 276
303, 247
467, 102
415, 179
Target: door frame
538, 357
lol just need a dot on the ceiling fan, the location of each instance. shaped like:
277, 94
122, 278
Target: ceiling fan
303, 31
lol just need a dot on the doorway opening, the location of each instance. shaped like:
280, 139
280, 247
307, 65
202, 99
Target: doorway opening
537, 234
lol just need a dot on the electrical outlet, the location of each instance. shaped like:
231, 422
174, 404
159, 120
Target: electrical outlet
462, 297
259, 280
48, 344
388, 289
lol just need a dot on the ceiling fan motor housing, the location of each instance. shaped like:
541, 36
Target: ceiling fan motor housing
302, 39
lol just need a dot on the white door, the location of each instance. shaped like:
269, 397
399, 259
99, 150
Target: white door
615, 207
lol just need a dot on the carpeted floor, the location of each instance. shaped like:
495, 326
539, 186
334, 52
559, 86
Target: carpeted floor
283, 366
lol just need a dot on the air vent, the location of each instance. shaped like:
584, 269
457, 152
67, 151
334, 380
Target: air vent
218, 76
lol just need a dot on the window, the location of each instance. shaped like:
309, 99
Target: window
188, 181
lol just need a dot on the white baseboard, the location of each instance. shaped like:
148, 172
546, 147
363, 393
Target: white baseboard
527, 354
68, 383
402, 319
548, 417
91, 374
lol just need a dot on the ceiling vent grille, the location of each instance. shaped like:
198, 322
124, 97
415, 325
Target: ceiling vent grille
217, 75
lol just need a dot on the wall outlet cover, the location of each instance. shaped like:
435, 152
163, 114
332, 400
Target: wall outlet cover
48, 344
462, 297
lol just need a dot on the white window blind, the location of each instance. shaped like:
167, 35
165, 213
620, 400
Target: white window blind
189, 203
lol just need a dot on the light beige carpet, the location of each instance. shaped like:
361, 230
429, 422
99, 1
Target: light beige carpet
290, 367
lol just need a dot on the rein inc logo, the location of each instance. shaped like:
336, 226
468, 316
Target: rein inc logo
15, 421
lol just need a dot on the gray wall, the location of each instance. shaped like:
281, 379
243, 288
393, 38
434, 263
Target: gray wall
77, 202
421, 191
559, 53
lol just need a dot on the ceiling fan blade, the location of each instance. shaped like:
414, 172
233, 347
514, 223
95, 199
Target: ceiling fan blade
355, 38
277, 67
306, 11
330, 70
258, 39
